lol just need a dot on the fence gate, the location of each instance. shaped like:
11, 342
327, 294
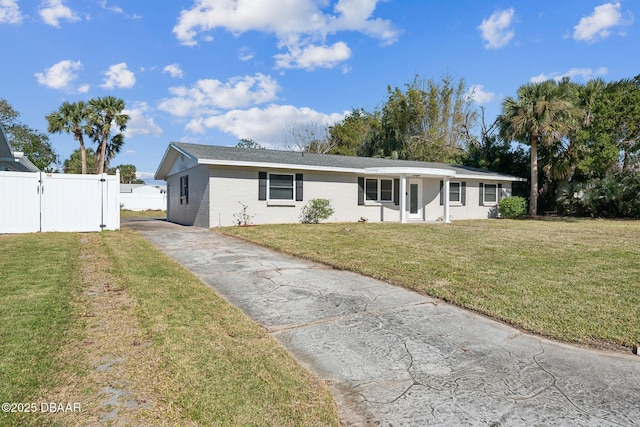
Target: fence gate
19, 205
39, 201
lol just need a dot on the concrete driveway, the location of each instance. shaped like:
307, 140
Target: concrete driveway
394, 357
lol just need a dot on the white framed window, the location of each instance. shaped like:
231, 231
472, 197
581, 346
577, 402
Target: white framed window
378, 189
490, 193
281, 186
454, 192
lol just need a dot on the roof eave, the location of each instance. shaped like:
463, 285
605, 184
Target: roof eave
490, 176
170, 156
19, 163
268, 165
26, 163
411, 171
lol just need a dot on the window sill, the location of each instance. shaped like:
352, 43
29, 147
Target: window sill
378, 203
286, 203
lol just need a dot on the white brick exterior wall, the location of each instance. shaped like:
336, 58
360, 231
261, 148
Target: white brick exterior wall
196, 211
233, 187
216, 193
472, 208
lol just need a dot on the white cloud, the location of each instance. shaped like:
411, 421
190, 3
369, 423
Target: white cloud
53, 11
10, 12
83, 88
355, 15
139, 123
245, 54
598, 25
60, 75
118, 76
298, 25
497, 30
268, 125
116, 9
209, 95
145, 175
174, 71
584, 73
479, 95
310, 57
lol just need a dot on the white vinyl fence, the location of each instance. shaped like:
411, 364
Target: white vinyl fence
143, 198
39, 201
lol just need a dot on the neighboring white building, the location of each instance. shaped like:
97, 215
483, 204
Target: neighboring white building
143, 197
207, 185
13, 160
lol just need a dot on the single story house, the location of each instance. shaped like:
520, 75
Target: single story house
143, 197
13, 160
210, 186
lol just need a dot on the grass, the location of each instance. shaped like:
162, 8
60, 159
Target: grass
125, 213
222, 368
184, 354
573, 280
36, 290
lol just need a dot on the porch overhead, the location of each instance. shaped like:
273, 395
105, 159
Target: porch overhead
404, 173
411, 172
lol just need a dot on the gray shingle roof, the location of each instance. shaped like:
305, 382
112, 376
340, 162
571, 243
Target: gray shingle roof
213, 152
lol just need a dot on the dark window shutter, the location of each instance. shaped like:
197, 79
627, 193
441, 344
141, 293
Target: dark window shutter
499, 192
262, 186
463, 193
396, 191
186, 188
360, 191
481, 197
298, 187
441, 193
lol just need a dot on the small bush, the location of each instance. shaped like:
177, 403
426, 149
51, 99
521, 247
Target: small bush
513, 207
315, 211
243, 218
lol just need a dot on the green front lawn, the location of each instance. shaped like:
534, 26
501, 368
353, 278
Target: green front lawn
125, 213
575, 280
221, 368
206, 362
37, 284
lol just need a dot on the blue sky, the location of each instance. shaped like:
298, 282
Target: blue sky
216, 71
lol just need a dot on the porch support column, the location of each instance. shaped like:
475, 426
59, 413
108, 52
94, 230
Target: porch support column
446, 199
403, 198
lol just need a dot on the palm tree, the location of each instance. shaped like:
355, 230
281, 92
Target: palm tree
568, 157
104, 112
113, 147
71, 118
542, 114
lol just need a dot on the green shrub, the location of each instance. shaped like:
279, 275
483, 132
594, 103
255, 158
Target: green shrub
614, 196
315, 211
513, 207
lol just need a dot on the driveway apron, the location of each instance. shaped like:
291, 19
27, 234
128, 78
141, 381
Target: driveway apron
393, 357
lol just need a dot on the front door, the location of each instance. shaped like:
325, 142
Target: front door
415, 199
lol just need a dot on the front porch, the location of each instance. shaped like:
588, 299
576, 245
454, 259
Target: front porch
414, 197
